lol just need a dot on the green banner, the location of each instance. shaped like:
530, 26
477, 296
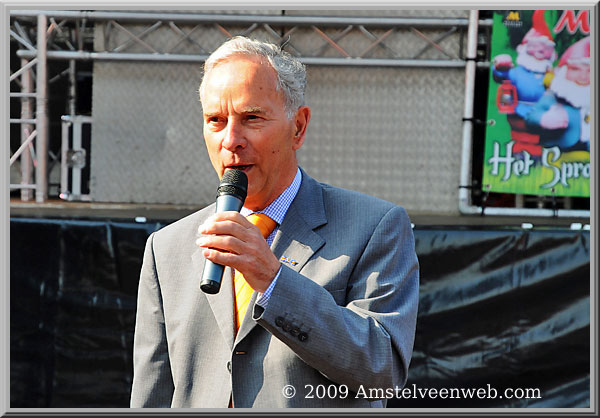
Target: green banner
537, 137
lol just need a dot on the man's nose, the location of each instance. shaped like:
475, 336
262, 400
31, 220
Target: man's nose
234, 136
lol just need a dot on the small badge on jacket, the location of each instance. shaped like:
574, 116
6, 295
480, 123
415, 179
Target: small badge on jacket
287, 260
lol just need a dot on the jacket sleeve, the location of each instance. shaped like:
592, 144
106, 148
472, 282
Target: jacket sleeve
152, 381
368, 340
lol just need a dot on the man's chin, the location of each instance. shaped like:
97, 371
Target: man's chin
253, 203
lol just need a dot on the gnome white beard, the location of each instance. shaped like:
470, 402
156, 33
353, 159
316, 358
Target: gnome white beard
531, 63
577, 95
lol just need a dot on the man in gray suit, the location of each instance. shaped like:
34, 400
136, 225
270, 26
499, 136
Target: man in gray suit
331, 319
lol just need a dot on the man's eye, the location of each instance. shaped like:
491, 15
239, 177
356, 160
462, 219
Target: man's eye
252, 117
214, 119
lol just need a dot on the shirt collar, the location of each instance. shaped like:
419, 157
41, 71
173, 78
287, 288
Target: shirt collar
279, 207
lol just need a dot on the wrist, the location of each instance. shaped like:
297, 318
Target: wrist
273, 270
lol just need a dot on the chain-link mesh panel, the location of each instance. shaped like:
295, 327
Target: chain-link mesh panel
391, 132
394, 133
15, 172
147, 141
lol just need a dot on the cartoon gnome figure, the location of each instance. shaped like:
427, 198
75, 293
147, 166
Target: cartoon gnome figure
563, 112
536, 55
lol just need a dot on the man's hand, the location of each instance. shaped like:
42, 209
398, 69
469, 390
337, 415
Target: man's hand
229, 239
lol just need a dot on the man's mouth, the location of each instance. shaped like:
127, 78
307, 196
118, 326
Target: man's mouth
243, 167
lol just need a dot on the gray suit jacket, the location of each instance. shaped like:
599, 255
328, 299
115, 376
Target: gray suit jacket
342, 314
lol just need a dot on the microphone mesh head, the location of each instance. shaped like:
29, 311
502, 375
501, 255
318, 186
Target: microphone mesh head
236, 177
234, 182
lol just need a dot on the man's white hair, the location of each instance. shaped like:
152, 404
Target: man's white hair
291, 73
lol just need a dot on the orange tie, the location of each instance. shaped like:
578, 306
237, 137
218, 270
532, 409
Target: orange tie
243, 291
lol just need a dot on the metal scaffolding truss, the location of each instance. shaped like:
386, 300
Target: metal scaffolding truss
40, 35
315, 40
32, 97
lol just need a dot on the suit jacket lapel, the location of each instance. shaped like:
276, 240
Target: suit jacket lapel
222, 302
295, 241
247, 323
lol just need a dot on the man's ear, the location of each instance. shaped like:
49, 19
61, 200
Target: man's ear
301, 123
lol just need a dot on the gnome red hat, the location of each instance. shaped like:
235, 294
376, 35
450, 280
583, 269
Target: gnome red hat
539, 30
578, 53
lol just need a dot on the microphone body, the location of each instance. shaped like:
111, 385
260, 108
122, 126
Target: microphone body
231, 195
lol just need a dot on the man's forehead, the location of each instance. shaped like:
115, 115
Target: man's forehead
246, 82
252, 64
217, 110
239, 71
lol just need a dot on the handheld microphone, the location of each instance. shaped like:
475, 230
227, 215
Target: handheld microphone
231, 195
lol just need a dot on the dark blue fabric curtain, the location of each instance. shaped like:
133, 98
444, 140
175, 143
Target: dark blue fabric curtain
500, 309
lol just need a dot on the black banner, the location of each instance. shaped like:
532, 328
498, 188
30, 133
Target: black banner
500, 309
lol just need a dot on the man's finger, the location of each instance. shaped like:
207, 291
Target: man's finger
223, 228
222, 243
232, 260
233, 217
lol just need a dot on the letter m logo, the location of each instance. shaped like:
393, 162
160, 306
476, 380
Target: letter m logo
513, 16
573, 22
